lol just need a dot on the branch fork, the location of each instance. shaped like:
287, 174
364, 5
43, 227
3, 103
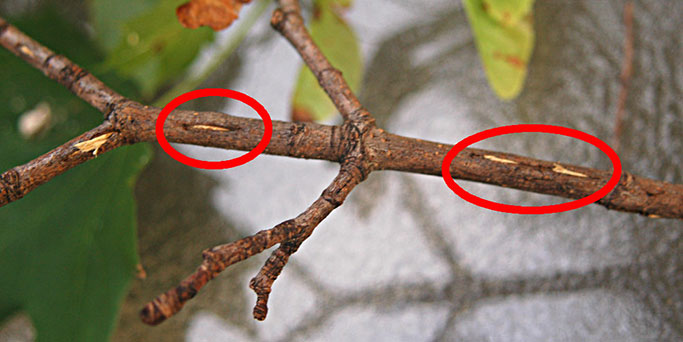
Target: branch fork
357, 145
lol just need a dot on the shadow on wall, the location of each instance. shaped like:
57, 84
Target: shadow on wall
176, 223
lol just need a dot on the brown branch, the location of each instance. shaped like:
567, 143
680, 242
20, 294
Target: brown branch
626, 72
355, 167
18, 181
263, 281
135, 123
131, 122
59, 68
634, 194
360, 130
219, 258
357, 145
288, 21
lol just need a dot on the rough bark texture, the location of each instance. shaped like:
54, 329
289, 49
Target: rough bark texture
633, 194
358, 145
131, 122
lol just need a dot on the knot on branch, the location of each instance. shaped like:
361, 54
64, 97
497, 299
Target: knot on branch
10, 186
123, 114
353, 149
625, 181
280, 17
350, 139
646, 197
332, 196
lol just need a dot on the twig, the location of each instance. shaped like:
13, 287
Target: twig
359, 125
59, 68
133, 122
18, 181
357, 145
635, 194
288, 21
219, 258
626, 71
263, 281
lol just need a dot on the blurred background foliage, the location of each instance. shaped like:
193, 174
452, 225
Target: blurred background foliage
68, 250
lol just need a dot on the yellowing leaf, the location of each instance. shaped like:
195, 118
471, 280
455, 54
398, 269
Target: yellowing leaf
338, 42
504, 35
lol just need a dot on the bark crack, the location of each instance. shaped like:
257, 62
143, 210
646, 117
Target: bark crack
357, 145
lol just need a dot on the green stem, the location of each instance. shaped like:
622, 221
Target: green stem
193, 81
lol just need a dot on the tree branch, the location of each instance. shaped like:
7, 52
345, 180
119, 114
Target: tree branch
286, 233
130, 122
288, 21
634, 194
358, 145
59, 68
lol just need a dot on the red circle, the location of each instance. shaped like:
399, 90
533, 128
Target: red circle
544, 209
225, 164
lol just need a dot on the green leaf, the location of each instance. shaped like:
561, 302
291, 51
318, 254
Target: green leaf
154, 48
338, 42
68, 249
107, 17
504, 35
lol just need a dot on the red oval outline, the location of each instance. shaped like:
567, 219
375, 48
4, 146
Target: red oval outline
224, 164
539, 128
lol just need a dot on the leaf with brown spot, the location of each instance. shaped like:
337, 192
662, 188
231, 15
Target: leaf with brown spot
504, 35
217, 14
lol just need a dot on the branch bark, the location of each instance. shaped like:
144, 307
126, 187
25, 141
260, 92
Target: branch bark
358, 145
287, 234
